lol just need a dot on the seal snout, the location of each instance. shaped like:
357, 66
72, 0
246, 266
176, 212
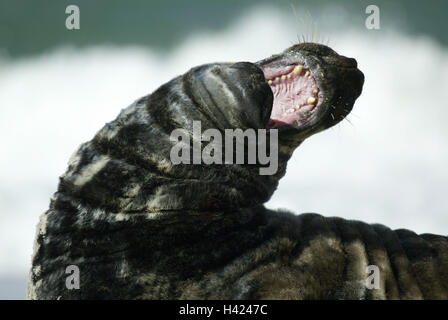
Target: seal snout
351, 62
313, 88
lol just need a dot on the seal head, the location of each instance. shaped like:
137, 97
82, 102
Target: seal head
314, 88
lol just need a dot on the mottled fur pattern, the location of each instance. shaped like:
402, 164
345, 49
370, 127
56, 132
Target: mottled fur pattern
139, 227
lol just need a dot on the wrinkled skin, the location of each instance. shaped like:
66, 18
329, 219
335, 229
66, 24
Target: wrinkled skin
139, 227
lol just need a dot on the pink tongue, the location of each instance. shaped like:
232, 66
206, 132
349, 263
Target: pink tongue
275, 124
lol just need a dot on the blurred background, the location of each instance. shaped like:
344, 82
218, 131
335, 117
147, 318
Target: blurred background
387, 164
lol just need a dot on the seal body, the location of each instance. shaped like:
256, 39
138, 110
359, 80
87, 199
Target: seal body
138, 227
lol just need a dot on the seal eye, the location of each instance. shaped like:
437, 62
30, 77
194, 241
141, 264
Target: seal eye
295, 94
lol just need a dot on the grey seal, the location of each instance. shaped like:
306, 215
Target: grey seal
139, 227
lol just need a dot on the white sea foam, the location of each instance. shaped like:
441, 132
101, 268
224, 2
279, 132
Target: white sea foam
388, 167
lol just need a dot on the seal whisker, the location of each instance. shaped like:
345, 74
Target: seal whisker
348, 120
296, 20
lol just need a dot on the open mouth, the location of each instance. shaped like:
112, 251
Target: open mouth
296, 95
313, 88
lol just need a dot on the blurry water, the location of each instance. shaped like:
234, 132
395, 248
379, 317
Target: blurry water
388, 166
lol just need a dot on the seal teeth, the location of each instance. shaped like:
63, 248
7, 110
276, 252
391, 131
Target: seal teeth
277, 79
289, 76
311, 100
298, 69
307, 73
283, 77
270, 82
315, 91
